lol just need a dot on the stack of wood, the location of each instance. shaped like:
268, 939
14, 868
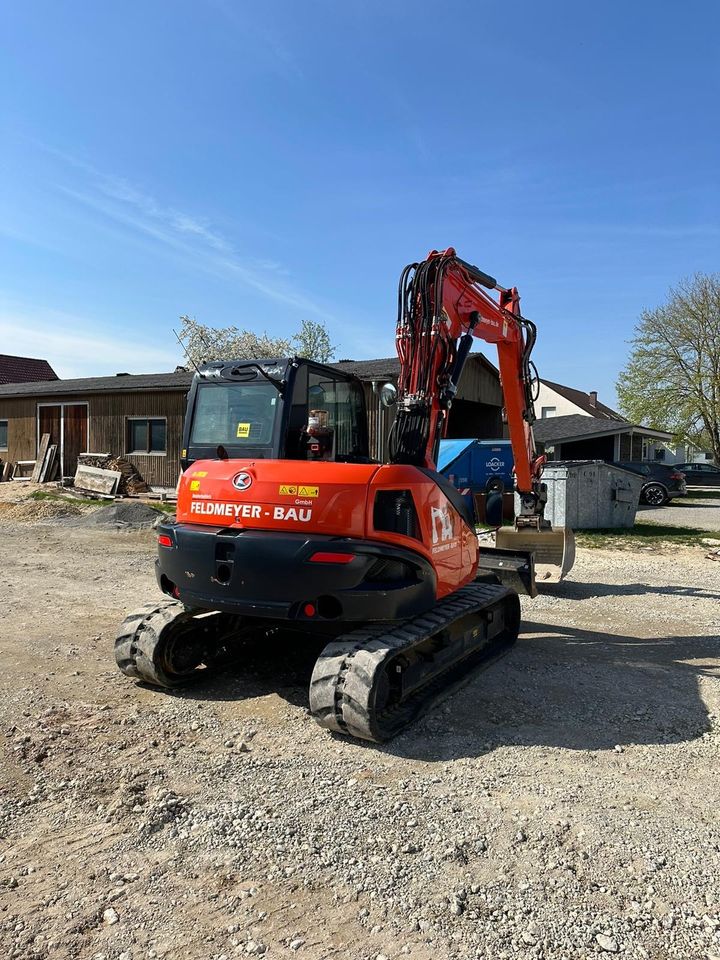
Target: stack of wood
99, 460
131, 482
46, 465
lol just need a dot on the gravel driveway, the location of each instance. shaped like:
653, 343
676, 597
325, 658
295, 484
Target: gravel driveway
698, 514
562, 806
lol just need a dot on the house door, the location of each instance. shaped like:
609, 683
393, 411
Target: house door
67, 424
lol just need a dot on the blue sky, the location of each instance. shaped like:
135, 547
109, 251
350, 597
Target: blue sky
260, 163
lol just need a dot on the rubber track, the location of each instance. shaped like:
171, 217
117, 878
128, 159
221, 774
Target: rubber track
344, 681
137, 642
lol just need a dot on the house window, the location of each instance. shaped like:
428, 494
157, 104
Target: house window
548, 412
147, 435
3, 434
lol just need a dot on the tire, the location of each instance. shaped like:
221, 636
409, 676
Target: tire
655, 495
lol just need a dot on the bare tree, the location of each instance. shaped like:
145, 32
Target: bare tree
672, 378
203, 343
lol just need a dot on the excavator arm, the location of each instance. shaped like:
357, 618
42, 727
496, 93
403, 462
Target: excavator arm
442, 307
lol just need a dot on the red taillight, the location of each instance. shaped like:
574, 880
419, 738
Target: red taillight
677, 476
164, 540
309, 610
328, 557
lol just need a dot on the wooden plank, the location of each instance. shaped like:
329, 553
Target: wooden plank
44, 465
54, 470
23, 470
7, 470
42, 453
48, 466
97, 480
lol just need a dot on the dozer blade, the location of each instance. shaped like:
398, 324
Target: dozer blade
512, 568
553, 550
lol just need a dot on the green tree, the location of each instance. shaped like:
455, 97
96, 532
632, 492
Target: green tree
202, 343
672, 378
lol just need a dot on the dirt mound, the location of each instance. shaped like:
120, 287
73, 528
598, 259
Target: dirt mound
38, 511
130, 514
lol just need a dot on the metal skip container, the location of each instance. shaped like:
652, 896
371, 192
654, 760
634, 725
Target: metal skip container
590, 494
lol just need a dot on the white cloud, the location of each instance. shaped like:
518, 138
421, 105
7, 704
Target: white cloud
200, 245
76, 348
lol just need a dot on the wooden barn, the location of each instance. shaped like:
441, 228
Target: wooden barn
140, 417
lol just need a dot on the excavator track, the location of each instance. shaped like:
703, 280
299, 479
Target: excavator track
375, 681
165, 645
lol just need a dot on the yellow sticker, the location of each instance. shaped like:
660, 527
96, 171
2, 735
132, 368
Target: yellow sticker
243, 430
288, 490
184, 453
308, 491
194, 484
199, 473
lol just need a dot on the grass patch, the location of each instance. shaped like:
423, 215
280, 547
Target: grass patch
164, 506
702, 495
642, 535
85, 501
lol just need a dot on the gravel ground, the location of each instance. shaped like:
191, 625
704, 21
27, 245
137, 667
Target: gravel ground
698, 514
562, 805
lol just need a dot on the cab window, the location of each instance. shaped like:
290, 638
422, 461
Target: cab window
326, 419
234, 414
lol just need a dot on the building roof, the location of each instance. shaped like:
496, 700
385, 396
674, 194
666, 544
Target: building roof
389, 367
120, 383
576, 426
24, 369
584, 401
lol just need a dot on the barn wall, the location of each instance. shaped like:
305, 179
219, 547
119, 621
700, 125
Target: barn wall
20, 415
107, 427
480, 383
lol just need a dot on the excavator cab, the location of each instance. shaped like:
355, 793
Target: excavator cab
288, 409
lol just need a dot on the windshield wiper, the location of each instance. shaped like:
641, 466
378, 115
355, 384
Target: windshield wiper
278, 384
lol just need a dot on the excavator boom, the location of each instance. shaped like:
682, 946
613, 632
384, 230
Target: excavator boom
442, 307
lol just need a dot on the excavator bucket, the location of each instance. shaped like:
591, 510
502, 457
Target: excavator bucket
553, 550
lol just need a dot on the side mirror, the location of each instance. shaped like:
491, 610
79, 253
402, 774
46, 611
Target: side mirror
388, 394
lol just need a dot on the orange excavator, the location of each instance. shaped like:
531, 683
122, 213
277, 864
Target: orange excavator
284, 522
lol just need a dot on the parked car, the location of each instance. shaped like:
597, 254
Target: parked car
662, 482
700, 474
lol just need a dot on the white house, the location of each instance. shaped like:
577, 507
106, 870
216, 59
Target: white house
574, 425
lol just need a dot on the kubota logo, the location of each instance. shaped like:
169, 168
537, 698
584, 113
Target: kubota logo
242, 481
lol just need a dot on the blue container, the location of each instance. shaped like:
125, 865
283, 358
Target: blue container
473, 465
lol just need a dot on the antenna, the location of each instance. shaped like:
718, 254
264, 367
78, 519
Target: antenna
185, 351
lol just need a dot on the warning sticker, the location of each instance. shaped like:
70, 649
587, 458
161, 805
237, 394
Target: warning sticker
194, 484
199, 473
295, 490
243, 430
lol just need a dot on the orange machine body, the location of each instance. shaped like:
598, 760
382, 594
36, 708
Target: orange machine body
329, 499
